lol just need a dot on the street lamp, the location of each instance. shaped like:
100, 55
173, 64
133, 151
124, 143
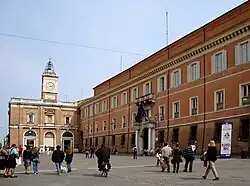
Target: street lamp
246, 101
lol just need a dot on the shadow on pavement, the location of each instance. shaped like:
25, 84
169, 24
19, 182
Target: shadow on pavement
92, 175
190, 178
152, 170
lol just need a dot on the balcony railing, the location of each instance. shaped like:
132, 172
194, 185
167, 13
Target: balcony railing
194, 111
219, 106
246, 100
146, 99
144, 121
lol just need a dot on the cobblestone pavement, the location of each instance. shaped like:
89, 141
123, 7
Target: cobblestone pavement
127, 171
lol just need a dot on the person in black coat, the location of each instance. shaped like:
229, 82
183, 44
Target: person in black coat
103, 155
69, 159
211, 157
57, 158
27, 159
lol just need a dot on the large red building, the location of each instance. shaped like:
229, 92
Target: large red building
189, 87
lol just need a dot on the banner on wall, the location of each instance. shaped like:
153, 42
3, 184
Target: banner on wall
226, 140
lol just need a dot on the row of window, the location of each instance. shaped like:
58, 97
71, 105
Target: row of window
219, 104
49, 119
218, 64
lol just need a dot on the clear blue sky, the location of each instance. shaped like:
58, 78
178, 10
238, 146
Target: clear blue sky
134, 26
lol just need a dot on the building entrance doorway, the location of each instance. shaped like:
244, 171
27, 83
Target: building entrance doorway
145, 138
67, 141
29, 138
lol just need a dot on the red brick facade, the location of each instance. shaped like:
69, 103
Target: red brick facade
221, 51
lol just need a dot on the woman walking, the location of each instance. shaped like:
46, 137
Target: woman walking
11, 162
69, 159
35, 160
211, 157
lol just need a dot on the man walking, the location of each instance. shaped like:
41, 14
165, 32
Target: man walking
57, 158
166, 154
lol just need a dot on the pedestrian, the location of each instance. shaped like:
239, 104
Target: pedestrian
166, 154
135, 152
57, 158
35, 160
69, 159
27, 159
211, 157
92, 152
189, 156
11, 162
177, 153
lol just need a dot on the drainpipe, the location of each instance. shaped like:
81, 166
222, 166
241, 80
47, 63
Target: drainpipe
204, 95
129, 115
168, 87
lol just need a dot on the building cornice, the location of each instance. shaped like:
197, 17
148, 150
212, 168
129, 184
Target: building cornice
40, 102
182, 58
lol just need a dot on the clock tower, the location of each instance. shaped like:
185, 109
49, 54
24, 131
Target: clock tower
49, 83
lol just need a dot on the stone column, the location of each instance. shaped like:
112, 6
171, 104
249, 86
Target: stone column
153, 139
136, 139
149, 138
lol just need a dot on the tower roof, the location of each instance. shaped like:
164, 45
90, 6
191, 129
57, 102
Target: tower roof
49, 68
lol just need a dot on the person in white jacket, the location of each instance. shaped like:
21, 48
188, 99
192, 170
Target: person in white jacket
166, 154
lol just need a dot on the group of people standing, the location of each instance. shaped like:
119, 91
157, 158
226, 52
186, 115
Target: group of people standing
188, 154
9, 158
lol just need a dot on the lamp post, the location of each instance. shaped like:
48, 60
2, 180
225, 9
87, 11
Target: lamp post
246, 101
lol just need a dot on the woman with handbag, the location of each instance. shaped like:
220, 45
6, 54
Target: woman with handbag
177, 154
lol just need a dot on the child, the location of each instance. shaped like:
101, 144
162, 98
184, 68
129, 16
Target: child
35, 160
69, 159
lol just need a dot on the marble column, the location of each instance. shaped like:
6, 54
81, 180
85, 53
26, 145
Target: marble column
136, 139
149, 139
153, 139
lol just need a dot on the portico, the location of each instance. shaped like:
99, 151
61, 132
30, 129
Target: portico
145, 135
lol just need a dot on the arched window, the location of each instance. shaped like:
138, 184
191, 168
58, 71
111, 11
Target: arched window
30, 133
49, 135
67, 134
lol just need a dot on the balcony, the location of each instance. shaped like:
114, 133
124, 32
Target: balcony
194, 111
246, 100
147, 100
148, 121
219, 106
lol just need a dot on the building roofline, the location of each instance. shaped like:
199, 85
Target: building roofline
175, 42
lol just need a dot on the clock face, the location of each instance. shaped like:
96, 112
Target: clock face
50, 86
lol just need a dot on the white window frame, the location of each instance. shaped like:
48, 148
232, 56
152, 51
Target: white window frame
238, 57
224, 61
104, 124
159, 86
173, 109
97, 108
114, 105
133, 118
90, 110
96, 126
215, 99
67, 116
133, 97
144, 88
112, 124
197, 71
86, 112
191, 104
124, 101
123, 121
173, 80
164, 110
240, 91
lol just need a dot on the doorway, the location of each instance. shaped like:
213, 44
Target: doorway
67, 141
30, 142
145, 138
66, 144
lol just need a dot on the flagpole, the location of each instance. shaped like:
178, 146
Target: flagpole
166, 25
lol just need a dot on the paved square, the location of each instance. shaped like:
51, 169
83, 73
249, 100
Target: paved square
126, 171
